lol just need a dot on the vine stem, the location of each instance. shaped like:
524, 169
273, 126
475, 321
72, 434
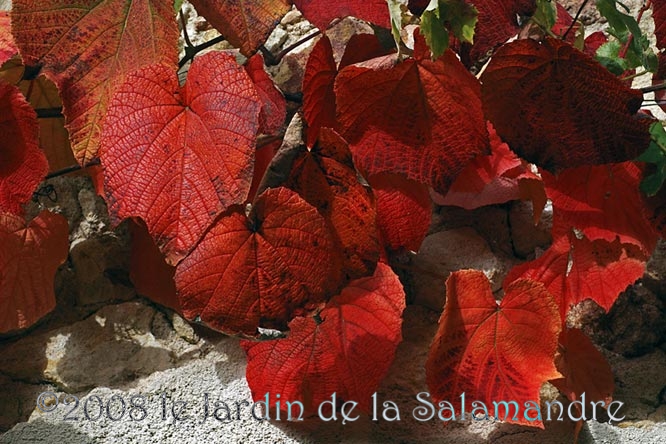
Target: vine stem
72, 168
272, 60
623, 52
653, 88
191, 51
580, 10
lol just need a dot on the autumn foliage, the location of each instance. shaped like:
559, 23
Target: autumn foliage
259, 237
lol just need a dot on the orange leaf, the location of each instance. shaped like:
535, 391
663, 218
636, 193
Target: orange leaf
177, 157
260, 270
347, 353
574, 269
29, 258
86, 48
492, 352
603, 202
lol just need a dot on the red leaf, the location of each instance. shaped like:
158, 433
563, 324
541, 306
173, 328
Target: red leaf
246, 25
260, 270
419, 118
404, 210
321, 12
497, 22
29, 258
593, 42
574, 269
319, 78
177, 157
660, 76
493, 352
151, 275
494, 179
8, 48
22, 164
87, 48
584, 368
659, 16
262, 159
318, 95
347, 353
603, 202
558, 108
274, 107
326, 178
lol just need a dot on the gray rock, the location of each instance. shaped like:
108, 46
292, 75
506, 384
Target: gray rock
526, 236
447, 251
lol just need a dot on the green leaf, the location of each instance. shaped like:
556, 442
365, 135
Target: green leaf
656, 154
546, 13
177, 4
607, 55
396, 13
444, 16
433, 30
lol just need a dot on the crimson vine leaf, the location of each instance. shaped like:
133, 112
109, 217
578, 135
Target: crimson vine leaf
29, 258
246, 25
497, 178
151, 275
419, 118
8, 48
558, 108
659, 15
318, 94
583, 367
321, 12
274, 107
86, 48
22, 163
494, 352
260, 270
404, 210
348, 353
178, 157
497, 22
326, 178
603, 202
575, 268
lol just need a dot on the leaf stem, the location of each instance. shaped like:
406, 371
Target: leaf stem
184, 25
580, 10
191, 51
71, 169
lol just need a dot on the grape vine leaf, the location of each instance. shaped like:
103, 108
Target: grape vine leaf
494, 352
274, 106
575, 268
655, 154
151, 275
404, 210
8, 48
29, 258
178, 156
602, 202
318, 94
418, 117
260, 270
319, 103
347, 353
443, 16
246, 25
87, 48
659, 16
326, 178
22, 163
583, 367
495, 179
558, 108
497, 22
321, 12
